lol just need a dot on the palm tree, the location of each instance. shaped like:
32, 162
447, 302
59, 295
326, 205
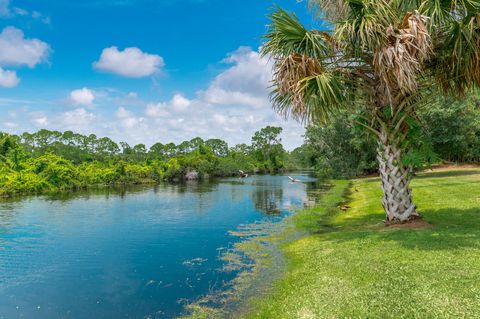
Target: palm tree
382, 59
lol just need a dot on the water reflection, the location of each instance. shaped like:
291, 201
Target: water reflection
130, 252
268, 199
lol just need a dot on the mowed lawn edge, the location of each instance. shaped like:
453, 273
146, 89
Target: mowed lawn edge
353, 266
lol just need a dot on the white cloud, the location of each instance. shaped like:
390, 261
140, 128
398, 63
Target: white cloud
177, 104
82, 97
127, 118
244, 83
8, 79
220, 96
232, 107
131, 62
6, 11
20, 11
122, 113
39, 119
16, 50
180, 103
77, 118
10, 125
156, 110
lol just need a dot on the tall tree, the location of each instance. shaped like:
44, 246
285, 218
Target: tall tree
218, 146
383, 59
268, 148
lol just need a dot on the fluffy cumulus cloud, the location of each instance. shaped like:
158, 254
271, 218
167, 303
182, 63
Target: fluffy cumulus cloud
39, 120
244, 83
127, 119
178, 104
76, 119
16, 50
232, 107
131, 62
82, 97
8, 79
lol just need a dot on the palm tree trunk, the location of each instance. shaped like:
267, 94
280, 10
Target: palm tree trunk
397, 195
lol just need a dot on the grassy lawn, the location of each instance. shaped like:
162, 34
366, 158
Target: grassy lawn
352, 266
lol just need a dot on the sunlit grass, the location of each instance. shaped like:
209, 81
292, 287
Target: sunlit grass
352, 266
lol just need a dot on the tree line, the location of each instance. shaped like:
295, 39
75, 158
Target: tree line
50, 161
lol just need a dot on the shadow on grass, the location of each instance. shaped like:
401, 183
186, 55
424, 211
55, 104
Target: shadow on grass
450, 184
431, 174
447, 173
452, 229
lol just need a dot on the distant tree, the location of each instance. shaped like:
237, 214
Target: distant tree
170, 150
126, 150
218, 147
453, 127
242, 149
157, 151
139, 152
268, 148
196, 143
106, 147
340, 149
184, 147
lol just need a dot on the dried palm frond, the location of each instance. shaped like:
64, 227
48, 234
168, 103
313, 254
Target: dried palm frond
400, 61
365, 27
290, 71
333, 10
305, 89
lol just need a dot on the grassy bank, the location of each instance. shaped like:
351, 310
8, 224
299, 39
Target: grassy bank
352, 266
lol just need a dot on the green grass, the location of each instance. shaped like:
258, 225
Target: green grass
352, 266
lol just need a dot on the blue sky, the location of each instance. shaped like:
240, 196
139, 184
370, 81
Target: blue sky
139, 70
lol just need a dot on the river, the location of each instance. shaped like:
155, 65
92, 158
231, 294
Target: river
139, 252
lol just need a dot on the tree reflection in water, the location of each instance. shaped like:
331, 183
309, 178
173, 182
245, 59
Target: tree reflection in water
267, 198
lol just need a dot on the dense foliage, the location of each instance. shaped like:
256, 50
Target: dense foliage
450, 130
454, 128
47, 161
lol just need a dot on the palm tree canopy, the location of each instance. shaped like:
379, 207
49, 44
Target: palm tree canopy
387, 53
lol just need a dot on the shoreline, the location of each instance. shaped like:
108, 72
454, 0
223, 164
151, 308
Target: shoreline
353, 266
266, 262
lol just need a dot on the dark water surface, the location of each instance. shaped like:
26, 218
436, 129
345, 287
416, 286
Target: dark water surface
136, 253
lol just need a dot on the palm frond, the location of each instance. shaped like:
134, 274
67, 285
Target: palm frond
286, 36
304, 85
314, 99
364, 29
400, 61
333, 10
384, 51
458, 67
441, 12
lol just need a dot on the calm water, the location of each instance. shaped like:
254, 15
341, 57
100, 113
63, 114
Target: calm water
137, 253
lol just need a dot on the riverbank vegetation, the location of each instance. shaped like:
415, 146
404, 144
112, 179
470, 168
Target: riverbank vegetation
51, 161
351, 265
449, 132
